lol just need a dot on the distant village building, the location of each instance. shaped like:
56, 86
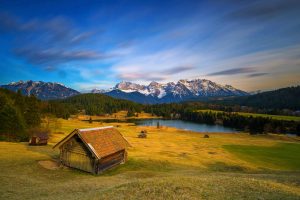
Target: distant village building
39, 139
94, 149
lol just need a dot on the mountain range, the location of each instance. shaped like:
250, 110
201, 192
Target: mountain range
171, 92
153, 93
42, 90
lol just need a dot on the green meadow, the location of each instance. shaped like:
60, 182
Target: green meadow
284, 156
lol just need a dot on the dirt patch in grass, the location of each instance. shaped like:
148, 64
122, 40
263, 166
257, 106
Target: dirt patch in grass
49, 164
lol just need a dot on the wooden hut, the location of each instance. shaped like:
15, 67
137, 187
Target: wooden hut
39, 139
94, 149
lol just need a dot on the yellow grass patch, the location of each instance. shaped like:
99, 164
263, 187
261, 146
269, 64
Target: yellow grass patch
121, 115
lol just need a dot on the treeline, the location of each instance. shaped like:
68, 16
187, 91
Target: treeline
254, 125
18, 114
277, 100
89, 104
171, 109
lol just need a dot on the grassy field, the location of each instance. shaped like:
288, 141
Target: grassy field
168, 164
284, 155
121, 115
278, 117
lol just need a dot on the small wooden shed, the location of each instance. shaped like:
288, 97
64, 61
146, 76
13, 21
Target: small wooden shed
94, 149
39, 139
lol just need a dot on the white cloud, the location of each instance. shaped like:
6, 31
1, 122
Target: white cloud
88, 86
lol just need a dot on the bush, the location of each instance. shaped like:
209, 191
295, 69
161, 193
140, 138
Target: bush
143, 134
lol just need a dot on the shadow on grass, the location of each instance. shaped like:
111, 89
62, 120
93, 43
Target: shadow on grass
141, 165
223, 167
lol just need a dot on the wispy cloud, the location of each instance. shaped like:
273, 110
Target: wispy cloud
50, 42
159, 75
233, 71
272, 68
88, 86
263, 9
141, 76
50, 68
257, 74
179, 69
56, 55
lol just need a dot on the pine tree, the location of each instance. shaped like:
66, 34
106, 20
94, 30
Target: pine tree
12, 123
32, 114
130, 113
20, 101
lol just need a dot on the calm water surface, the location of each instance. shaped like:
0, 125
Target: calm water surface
185, 125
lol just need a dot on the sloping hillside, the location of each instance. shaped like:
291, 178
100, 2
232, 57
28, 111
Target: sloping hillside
285, 98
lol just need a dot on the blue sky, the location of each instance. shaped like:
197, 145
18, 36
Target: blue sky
252, 45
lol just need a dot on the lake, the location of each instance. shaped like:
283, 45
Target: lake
185, 125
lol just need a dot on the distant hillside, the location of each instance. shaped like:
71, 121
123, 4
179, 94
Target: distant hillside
96, 104
42, 90
285, 98
133, 96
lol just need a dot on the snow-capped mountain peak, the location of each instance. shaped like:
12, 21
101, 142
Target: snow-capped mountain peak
129, 86
183, 89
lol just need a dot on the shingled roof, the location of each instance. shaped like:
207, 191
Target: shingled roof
102, 141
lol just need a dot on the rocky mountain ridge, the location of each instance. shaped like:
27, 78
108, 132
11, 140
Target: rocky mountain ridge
42, 90
172, 92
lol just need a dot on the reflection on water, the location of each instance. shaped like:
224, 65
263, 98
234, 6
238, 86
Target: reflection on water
185, 125
191, 126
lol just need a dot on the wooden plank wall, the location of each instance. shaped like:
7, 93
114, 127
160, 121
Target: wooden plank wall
75, 154
111, 161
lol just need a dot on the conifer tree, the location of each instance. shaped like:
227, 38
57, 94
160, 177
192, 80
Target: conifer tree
32, 114
12, 124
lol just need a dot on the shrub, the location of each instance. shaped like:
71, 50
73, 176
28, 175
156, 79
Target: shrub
143, 134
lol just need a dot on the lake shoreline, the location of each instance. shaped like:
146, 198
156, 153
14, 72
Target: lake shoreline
175, 123
178, 124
